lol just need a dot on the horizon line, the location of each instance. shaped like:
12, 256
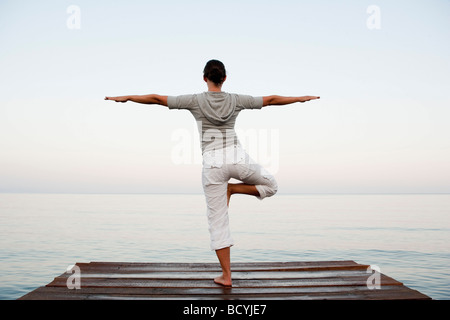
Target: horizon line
200, 193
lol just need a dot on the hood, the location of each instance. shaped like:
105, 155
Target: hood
217, 107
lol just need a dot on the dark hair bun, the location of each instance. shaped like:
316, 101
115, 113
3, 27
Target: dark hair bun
215, 71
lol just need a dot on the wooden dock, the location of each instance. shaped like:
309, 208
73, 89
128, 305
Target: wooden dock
317, 280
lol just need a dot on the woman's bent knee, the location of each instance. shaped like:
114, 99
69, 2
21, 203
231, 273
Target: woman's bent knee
272, 189
267, 190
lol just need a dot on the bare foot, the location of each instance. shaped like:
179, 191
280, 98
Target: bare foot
223, 281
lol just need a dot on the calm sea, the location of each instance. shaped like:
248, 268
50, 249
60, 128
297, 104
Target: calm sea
406, 236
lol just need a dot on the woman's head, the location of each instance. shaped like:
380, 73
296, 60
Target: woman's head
215, 72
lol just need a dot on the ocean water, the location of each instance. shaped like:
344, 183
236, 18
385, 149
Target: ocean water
407, 236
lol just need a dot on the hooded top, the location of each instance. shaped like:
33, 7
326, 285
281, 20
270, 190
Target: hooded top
217, 108
215, 113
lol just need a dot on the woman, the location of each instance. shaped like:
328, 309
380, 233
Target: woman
223, 156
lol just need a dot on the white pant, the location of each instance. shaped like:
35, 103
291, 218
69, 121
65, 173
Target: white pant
219, 167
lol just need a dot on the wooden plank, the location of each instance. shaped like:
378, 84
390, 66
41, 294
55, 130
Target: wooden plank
217, 269
239, 275
215, 264
94, 267
216, 290
348, 293
265, 280
202, 283
87, 270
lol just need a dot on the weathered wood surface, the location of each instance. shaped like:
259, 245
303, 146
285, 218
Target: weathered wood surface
272, 280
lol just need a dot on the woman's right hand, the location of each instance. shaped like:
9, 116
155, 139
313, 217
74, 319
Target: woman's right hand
118, 99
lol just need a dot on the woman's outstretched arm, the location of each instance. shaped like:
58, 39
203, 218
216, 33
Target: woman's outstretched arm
280, 100
146, 99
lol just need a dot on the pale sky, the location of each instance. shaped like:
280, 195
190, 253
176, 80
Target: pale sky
382, 69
